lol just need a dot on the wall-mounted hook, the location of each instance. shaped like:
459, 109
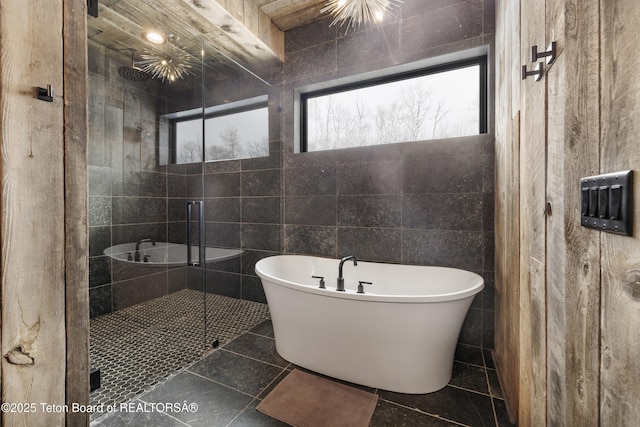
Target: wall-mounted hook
538, 72
92, 8
45, 94
550, 53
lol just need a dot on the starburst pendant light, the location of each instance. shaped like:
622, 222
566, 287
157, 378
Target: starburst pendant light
358, 12
170, 64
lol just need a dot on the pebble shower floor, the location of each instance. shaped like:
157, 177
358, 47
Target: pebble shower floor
140, 346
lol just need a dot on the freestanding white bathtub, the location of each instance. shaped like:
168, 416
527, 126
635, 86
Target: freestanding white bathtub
400, 335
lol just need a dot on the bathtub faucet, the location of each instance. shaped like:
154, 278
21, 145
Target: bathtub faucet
136, 257
340, 281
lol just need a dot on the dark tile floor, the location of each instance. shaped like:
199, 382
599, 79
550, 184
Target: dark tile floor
227, 385
143, 345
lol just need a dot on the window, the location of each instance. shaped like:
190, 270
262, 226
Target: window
234, 131
437, 102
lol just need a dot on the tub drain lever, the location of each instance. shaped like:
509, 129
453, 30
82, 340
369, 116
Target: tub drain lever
321, 281
361, 288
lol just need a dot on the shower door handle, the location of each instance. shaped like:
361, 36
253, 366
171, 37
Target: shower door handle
200, 233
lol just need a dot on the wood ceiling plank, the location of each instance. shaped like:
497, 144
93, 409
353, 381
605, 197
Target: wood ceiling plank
269, 50
202, 20
288, 14
302, 17
280, 8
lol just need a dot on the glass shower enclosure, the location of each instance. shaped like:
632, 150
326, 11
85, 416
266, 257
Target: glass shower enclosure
170, 115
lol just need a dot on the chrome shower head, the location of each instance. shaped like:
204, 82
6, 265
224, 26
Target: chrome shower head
133, 73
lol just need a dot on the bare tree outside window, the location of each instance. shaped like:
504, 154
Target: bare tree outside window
257, 148
189, 149
230, 147
438, 105
236, 135
190, 152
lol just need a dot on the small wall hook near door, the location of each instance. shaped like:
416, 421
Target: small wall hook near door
45, 94
538, 71
550, 53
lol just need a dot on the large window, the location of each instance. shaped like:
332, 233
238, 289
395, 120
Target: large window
437, 102
230, 133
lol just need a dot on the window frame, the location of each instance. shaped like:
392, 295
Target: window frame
249, 104
480, 60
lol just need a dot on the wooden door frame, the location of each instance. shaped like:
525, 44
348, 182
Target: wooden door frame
76, 180
44, 229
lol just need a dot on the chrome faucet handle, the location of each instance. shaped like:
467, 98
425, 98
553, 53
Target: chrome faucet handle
321, 281
361, 288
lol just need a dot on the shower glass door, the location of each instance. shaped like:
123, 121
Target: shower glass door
235, 142
146, 304
177, 131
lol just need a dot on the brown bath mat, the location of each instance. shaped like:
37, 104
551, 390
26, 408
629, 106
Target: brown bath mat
306, 400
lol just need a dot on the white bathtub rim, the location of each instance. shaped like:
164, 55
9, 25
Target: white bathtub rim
475, 287
212, 254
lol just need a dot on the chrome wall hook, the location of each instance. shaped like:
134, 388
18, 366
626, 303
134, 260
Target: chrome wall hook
537, 72
550, 53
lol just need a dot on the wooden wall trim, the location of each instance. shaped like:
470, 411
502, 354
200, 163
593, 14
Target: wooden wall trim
573, 277
76, 208
32, 211
507, 203
533, 260
579, 292
620, 109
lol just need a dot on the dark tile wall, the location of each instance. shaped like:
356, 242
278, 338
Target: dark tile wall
127, 188
133, 196
242, 201
425, 202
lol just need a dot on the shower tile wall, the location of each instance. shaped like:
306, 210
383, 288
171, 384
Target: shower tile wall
242, 199
127, 190
132, 196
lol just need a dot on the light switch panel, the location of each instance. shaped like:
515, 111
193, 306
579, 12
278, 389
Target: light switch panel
607, 202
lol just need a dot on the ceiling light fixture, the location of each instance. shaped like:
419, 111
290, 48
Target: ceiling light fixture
154, 36
170, 64
358, 12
